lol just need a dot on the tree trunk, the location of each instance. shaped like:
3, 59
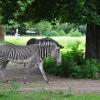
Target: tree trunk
1, 33
93, 41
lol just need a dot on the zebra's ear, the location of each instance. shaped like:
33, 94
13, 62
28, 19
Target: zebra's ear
61, 47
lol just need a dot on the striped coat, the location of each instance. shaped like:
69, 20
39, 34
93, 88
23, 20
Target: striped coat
31, 54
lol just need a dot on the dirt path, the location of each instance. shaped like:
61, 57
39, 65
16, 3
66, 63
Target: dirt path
36, 82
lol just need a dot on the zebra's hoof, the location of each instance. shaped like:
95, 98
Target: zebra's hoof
48, 82
6, 81
26, 82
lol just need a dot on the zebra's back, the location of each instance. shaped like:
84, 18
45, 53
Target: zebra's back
17, 53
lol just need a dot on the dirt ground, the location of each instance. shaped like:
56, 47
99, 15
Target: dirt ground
36, 82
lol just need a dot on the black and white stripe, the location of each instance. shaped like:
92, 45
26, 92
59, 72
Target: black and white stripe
45, 45
32, 53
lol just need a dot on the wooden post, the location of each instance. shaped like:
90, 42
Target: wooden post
1, 33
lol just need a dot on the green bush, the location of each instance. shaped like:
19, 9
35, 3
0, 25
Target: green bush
50, 66
51, 33
90, 69
55, 33
61, 32
69, 60
74, 65
42, 27
74, 32
67, 67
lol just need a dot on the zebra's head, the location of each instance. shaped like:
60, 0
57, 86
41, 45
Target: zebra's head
56, 54
47, 47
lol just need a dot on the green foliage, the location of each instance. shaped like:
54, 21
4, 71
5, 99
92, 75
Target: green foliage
55, 33
46, 95
77, 11
74, 32
50, 66
91, 69
43, 26
59, 29
61, 32
14, 87
74, 65
46, 28
51, 33
69, 60
77, 54
65, 27
82, 29
12, 10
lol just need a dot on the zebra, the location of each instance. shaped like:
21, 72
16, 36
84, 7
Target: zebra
42, 41
29, 55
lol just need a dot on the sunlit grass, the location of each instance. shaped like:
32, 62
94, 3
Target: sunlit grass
17, 39
66, 41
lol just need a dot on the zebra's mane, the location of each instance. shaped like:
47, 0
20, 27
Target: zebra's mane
47, 39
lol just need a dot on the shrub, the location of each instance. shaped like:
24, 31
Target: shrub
55, 33
61, 32
74, 65
69, 60
74, 32
61, 70
64, 69
77, 54
50, 66
72, 59
42, 27
82, 29
51, 33
90, 69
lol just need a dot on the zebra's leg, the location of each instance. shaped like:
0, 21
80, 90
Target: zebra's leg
24, 65
2, 70
27, 70
42, 72
4, 65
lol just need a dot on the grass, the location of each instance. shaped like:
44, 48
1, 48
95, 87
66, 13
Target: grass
12, 93
66, 41
47, 95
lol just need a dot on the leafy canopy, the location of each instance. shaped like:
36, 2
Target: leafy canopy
78, 11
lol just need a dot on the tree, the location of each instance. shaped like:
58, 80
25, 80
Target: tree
7, 9
93, 32
73, 11
1, 33
9, 12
